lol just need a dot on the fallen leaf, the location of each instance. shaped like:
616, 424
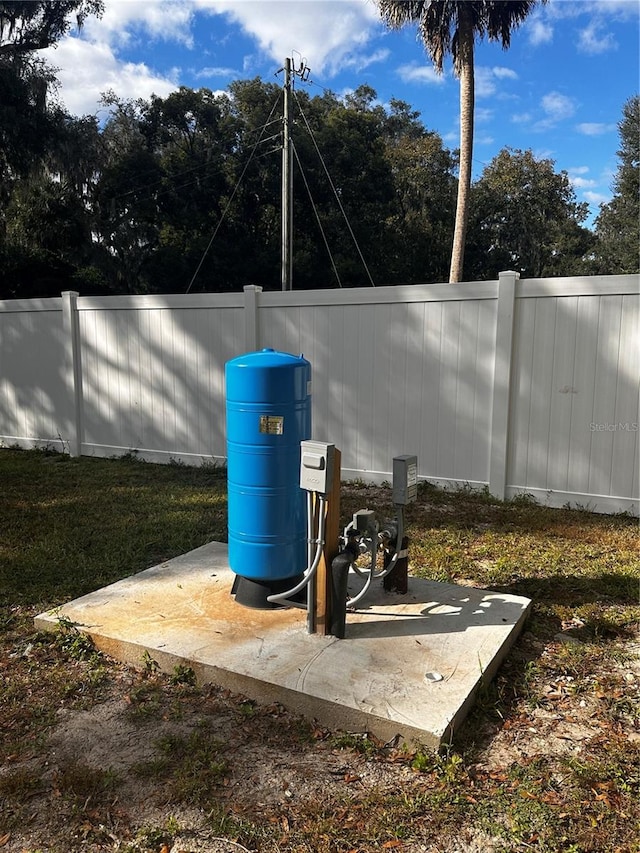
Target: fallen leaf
349, 779
5, 839
527, 794
551, 799
389, 844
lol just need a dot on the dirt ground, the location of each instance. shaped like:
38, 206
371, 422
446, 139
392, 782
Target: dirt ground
275, 765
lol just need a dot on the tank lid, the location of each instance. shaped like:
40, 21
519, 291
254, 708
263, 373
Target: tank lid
268, 357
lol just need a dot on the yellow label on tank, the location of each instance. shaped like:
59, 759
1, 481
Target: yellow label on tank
272, 424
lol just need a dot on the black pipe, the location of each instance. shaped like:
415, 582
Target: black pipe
340, 566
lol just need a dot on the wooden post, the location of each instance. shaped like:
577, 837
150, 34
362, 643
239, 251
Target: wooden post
322, 591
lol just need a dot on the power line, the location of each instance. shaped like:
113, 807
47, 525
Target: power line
179, 174
228, 205
317, 215
335, 192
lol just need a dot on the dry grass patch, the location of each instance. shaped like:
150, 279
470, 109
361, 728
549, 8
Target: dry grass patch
95, 756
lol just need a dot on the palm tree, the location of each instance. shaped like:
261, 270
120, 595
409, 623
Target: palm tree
451, 26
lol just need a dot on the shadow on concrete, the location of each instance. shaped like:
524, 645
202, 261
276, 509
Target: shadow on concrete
433, 608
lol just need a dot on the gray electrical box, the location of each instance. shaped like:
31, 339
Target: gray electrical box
405, 479
363, 519
316, 466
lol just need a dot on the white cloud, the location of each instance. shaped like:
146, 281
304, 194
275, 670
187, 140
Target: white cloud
250, 64
362, 61
596, 198
420, 74
615, 9
618, 8
593, 128
486, 79
504, 73
578, 170
483, 115
521, 118
89, 61
544, 153
484, 82
591, 40
327, 40
123, 22
208, 72
540, 32
87, 70
557, 107
582, 183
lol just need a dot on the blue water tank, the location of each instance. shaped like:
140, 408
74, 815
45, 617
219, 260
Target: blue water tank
268, 415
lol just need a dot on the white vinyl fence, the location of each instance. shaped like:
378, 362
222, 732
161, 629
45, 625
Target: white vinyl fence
522, 386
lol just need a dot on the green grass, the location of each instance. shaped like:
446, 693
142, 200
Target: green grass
70, 526
73, 525
190, 768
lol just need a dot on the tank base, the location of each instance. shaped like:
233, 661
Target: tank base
254, 593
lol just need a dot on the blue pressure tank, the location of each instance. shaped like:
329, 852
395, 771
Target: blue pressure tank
268, 415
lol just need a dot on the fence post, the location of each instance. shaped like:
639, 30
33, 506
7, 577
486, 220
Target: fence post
499, 431
71, 328
251, 323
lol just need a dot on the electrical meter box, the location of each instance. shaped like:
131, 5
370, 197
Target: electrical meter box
316, 466
405, 479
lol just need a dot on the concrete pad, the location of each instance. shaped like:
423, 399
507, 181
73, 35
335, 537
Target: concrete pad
409, 664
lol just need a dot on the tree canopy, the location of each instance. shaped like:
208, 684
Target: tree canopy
618, 224
183, 192
30, 25
525, 217
452, 27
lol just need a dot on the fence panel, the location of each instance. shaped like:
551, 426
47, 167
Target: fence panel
36, 398
153, 374
575, 393
396, 370
527, 386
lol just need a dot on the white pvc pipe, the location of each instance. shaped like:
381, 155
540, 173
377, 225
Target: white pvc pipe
280, 597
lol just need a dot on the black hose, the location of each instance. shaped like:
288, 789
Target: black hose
340, 566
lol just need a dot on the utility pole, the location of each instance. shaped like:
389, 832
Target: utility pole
287, 184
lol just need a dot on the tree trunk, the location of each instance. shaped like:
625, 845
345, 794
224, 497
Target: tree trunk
466, 75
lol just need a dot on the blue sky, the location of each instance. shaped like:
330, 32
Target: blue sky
559, 90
